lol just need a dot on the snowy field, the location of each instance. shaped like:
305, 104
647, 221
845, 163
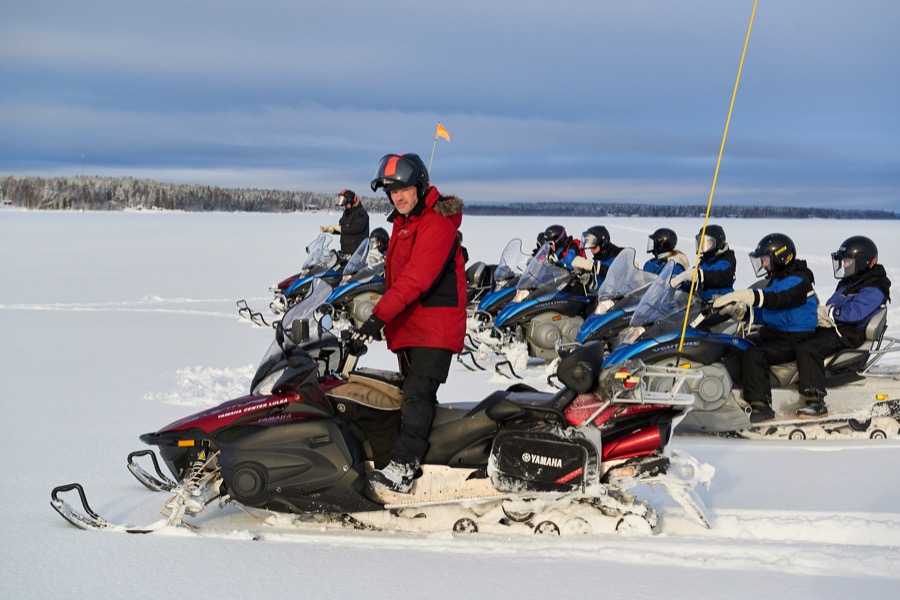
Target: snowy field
112, 325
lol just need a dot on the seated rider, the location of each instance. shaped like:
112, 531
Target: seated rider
601, 253
716, 268
864, 287
378, 245
786, 309
661, 244
562, 246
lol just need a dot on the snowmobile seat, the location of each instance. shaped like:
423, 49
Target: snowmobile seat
845, 362
479, 275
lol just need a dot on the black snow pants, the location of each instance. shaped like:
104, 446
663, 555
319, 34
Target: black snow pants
774, 348
425, 370
811, 356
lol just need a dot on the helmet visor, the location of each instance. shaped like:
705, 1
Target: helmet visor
393, 173
844, 266
762, 264
589, 241
705, 244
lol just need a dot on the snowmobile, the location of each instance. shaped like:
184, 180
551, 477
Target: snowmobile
862, 402
548, 309
361, 286
480, 317
617, 298
321, 262
516, 461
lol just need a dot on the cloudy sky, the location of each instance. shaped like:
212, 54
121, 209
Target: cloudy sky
608, 100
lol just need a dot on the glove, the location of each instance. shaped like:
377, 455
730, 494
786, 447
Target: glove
370, 330
736, 310
330, 229
825, 314
585, 264
685, 277
552, 258
677, 280
745, 297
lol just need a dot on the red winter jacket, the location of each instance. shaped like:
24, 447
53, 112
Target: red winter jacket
425, 301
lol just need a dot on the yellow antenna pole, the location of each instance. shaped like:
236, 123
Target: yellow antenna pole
712, 190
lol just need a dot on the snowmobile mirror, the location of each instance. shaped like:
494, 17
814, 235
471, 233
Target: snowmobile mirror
577, 371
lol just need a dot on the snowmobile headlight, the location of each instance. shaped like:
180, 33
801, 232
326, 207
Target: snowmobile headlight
603, 307
632, 335
882, 396
521, 295
624, 472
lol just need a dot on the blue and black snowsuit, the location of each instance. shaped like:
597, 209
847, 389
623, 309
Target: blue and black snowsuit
717, 274
656, 264
855, 300
788, 316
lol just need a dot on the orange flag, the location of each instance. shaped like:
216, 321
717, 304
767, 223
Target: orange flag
441, 132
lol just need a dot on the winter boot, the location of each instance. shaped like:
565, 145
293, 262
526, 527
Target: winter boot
397, 476
815, 406
761, 411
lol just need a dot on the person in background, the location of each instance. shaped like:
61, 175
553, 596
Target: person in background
600, 254
786, 309
353, 226
563, 247
715, 269
864, 287
378, 245
423, 309
661, 244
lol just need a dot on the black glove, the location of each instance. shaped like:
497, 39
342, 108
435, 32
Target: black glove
370, 330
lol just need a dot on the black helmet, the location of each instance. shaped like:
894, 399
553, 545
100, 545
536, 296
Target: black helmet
554, 234
713, 241
595, 237
398, 171
662, 240
379, 239
773, 253
856, 255
346, 198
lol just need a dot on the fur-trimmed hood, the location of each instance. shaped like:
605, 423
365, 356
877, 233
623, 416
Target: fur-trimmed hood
447, 206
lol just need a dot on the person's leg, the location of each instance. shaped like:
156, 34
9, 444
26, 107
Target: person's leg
426, 369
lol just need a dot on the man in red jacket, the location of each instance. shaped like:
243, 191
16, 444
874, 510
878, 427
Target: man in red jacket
423, 310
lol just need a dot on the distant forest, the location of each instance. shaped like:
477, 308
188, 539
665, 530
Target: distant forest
120, 193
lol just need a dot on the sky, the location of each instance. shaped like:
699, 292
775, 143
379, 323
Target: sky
565, 101
114, 324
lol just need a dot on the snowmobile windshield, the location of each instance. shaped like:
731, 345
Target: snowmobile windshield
319, 258
363, 264
541, 277
300, 324
661, 301
512, 264
624, 277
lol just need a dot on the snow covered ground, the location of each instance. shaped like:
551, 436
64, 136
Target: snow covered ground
112, 325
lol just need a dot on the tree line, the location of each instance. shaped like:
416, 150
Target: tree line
120, 193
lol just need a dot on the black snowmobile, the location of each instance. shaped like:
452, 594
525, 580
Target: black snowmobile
516, 460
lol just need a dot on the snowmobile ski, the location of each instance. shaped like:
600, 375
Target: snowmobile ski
86, 518
158, 483
251, 315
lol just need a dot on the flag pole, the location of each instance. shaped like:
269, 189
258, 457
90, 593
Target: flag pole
433, 146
